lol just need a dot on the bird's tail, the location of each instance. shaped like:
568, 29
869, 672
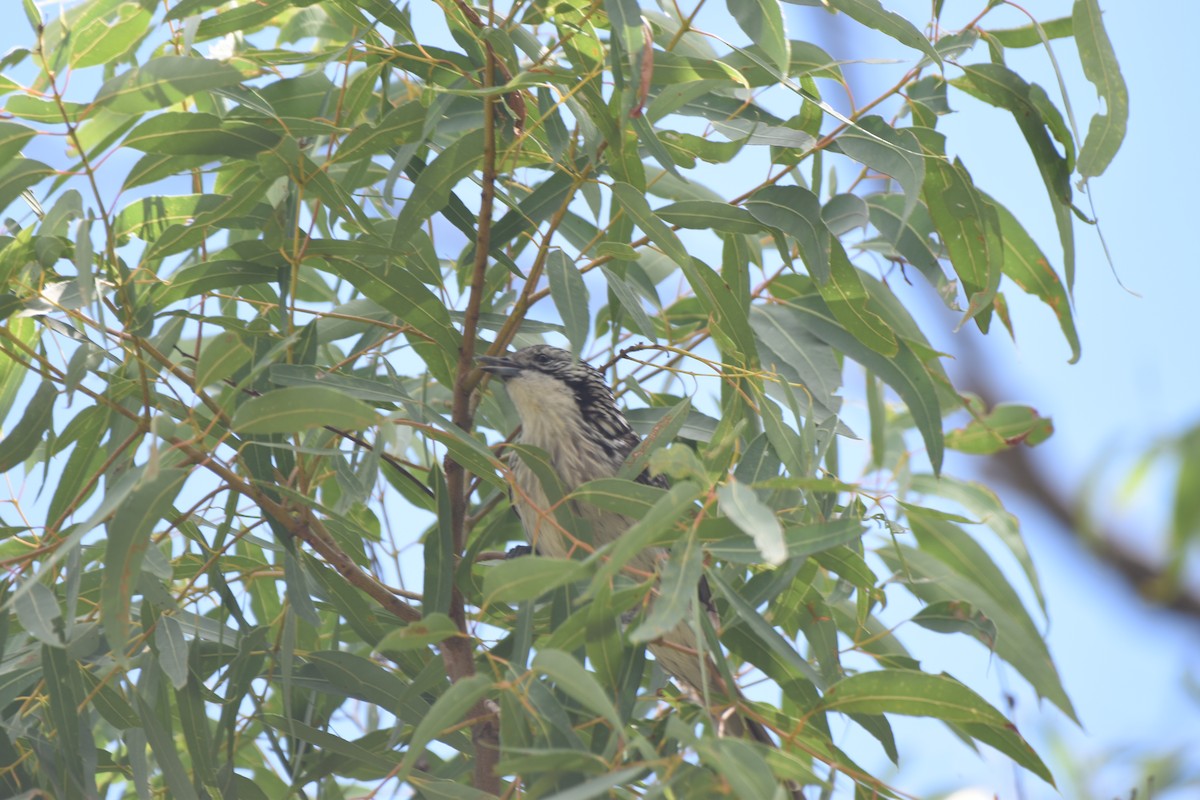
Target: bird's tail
679, 655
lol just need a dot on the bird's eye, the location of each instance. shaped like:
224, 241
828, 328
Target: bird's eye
542, 358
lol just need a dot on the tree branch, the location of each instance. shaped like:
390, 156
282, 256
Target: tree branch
1022, 469
458, 652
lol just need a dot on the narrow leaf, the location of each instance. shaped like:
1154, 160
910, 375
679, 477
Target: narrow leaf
527, 578
128, 537
739, 502
295, 408
570, 676
872, 14
27, 434
570, 296
446, 712
1106, 131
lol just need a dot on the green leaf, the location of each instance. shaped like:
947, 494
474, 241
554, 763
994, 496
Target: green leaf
156, 722
630, 302
1009, 742
129, 531
1029, 36
431, 191
847, 298
65, 690
1106, 131
12, 138
546, 198
984, 505
645, 531
370, 390
952, 566
570, 296
955, 616
664, 431
571, 678
799, 356
179, 133
397, 289
438, 584
359, 677
741, 763
801, 541
696, 426
446, 712
909, 239
797, 212
728, 316
786, 664
904, 372
676, 590
1028, 267
740, 504
762, 21
619, 494
172, 650
745, 131
1006, 425
214, 275
466, 449
893, 152
633, 203
970, 230
401, 125
28, 433
996, 84
430, 629
527, 578
331, 744
164, 81
872, 14
100, 41
844, 213
17, 175
911, 693
599, 786
710, 215
221, 358
294, 409
40, 615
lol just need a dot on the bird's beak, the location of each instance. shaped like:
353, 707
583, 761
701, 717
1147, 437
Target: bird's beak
499, 366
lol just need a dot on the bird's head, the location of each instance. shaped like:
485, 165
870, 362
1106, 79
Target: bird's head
548, 386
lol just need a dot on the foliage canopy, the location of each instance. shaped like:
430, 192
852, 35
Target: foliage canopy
241, 306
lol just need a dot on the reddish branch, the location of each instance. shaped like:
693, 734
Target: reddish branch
458, 652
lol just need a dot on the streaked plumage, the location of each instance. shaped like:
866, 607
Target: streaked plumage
568, 410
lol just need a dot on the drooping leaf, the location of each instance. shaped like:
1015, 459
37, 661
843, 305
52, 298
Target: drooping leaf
797, 212
1106, 131
894, 152
755, 519
872, 14
128, 537
970, 229
570, 298
19, 443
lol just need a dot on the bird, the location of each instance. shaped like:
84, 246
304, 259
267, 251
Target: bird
568, 410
